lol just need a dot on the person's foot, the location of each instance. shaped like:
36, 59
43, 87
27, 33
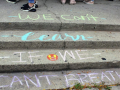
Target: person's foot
36, 5
90, 2
28, 8
63, 1
72, 2
12, 1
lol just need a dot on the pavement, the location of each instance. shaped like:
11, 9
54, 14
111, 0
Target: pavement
59, 45
52, 15
59, 39
60, 79
52, 60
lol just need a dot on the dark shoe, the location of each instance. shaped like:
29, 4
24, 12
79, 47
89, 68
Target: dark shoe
12, 1
36, 5
28, 8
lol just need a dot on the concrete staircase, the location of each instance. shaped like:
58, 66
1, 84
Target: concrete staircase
29, 50
59, 43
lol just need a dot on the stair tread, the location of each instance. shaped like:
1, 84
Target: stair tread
59, 79
58, 59
49, 36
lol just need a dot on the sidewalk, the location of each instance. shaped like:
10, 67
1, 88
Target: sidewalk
24, 34
78, 40
52, 15
60, 79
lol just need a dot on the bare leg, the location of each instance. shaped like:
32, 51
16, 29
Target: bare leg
31, 4
63, 1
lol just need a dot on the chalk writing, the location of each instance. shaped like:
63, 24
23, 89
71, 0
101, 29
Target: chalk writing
33, 56
103, 18
38, 82
69, 80
104, 76
70, 53
97, 54
74, 54
18, 80
5, 57
90, 77
2, 76
30, 56
68, 17
64, 17
55, 37
45, 16
47, 77
20, 57
110, 72
13, 16
82, 80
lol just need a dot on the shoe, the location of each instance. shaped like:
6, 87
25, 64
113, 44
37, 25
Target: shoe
36, 5
28, 8
12, 1
63, 1
72, 2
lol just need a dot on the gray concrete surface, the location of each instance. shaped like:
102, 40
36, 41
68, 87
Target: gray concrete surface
59, 40
52, 15
59, 79
68, 59
19, 54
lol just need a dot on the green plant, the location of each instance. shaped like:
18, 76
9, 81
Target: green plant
89, 87
102, 85
107, 88
78, 86
117, 84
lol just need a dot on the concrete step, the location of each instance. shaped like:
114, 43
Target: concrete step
59, 79
68, 59
52, 15
59, 40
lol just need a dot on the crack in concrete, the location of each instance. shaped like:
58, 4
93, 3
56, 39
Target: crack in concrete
64, 40
58, 18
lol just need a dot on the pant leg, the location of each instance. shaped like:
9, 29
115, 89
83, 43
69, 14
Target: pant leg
31, 1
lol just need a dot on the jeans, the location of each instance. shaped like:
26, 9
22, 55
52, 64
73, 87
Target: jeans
31, 1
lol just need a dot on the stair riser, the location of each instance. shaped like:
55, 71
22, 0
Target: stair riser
55, 67
60, 45
57, 27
